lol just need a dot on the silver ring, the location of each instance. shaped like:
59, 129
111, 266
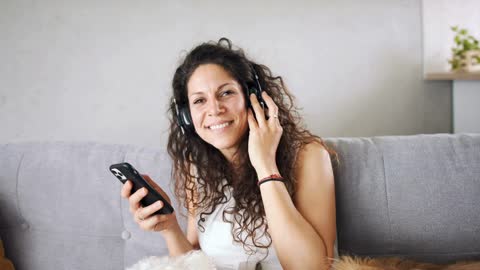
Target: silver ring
275, 116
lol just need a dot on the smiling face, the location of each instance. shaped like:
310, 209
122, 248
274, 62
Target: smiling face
218, 109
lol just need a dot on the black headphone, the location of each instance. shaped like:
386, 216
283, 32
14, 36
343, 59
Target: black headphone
184, 119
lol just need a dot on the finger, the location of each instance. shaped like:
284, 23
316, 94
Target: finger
145, 212
251, 120
156, 222
126, 189
157, 187
135, 199
257, 109
272, 107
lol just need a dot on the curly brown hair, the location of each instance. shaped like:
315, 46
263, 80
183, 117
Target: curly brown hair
207, 188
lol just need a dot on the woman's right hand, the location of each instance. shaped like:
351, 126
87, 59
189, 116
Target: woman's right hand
143, 215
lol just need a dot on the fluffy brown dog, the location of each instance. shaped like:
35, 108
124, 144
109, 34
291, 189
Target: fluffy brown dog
355, 263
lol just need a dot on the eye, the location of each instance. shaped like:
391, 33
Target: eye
227, 92
198, 101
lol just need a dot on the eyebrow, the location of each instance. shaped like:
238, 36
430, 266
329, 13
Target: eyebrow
200, 92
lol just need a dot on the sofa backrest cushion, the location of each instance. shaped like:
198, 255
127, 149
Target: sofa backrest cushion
61, 207
411, 196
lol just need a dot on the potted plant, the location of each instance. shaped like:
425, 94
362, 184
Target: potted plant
466, 52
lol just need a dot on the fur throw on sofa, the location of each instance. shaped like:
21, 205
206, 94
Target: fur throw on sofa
197, 260
193, 260
393, 263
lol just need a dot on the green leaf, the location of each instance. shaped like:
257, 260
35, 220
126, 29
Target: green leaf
457, 40
454, 28
467, 46
463, 31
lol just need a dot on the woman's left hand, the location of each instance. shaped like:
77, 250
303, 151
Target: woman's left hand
264, 136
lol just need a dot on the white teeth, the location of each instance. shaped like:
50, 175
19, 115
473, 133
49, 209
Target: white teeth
220, 126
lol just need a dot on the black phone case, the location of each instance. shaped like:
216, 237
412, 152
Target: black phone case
125, 171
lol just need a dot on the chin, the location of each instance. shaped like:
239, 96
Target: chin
223, 145
222, 142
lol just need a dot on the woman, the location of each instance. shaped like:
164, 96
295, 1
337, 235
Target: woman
258, 187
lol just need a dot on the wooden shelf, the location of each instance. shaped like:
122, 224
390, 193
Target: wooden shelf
450, 76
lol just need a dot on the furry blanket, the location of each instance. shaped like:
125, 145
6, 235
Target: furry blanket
197, 260
193, 260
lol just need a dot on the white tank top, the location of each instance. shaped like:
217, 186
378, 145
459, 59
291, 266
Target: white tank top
216, 241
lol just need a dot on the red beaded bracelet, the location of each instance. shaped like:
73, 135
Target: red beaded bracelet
272, 177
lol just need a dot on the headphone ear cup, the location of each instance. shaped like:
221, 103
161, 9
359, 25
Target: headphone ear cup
254, 87
250, 89
185, 119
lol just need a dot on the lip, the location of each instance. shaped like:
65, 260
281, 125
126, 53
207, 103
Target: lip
218, 123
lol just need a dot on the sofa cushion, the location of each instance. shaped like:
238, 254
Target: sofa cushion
410, 196
62, 209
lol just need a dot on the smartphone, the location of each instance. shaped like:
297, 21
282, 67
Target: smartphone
125, 171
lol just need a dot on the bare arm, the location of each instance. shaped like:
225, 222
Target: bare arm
309, 223
177, 243
303, 230
167, 225
192, 233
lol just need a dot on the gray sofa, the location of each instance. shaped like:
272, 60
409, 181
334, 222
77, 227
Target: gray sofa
413, 196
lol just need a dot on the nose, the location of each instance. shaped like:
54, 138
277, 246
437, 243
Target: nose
215, 107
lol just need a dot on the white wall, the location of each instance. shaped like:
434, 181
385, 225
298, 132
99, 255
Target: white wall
438, 17
101, 70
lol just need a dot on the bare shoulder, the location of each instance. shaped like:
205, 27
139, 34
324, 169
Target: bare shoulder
314, 173
313, 154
